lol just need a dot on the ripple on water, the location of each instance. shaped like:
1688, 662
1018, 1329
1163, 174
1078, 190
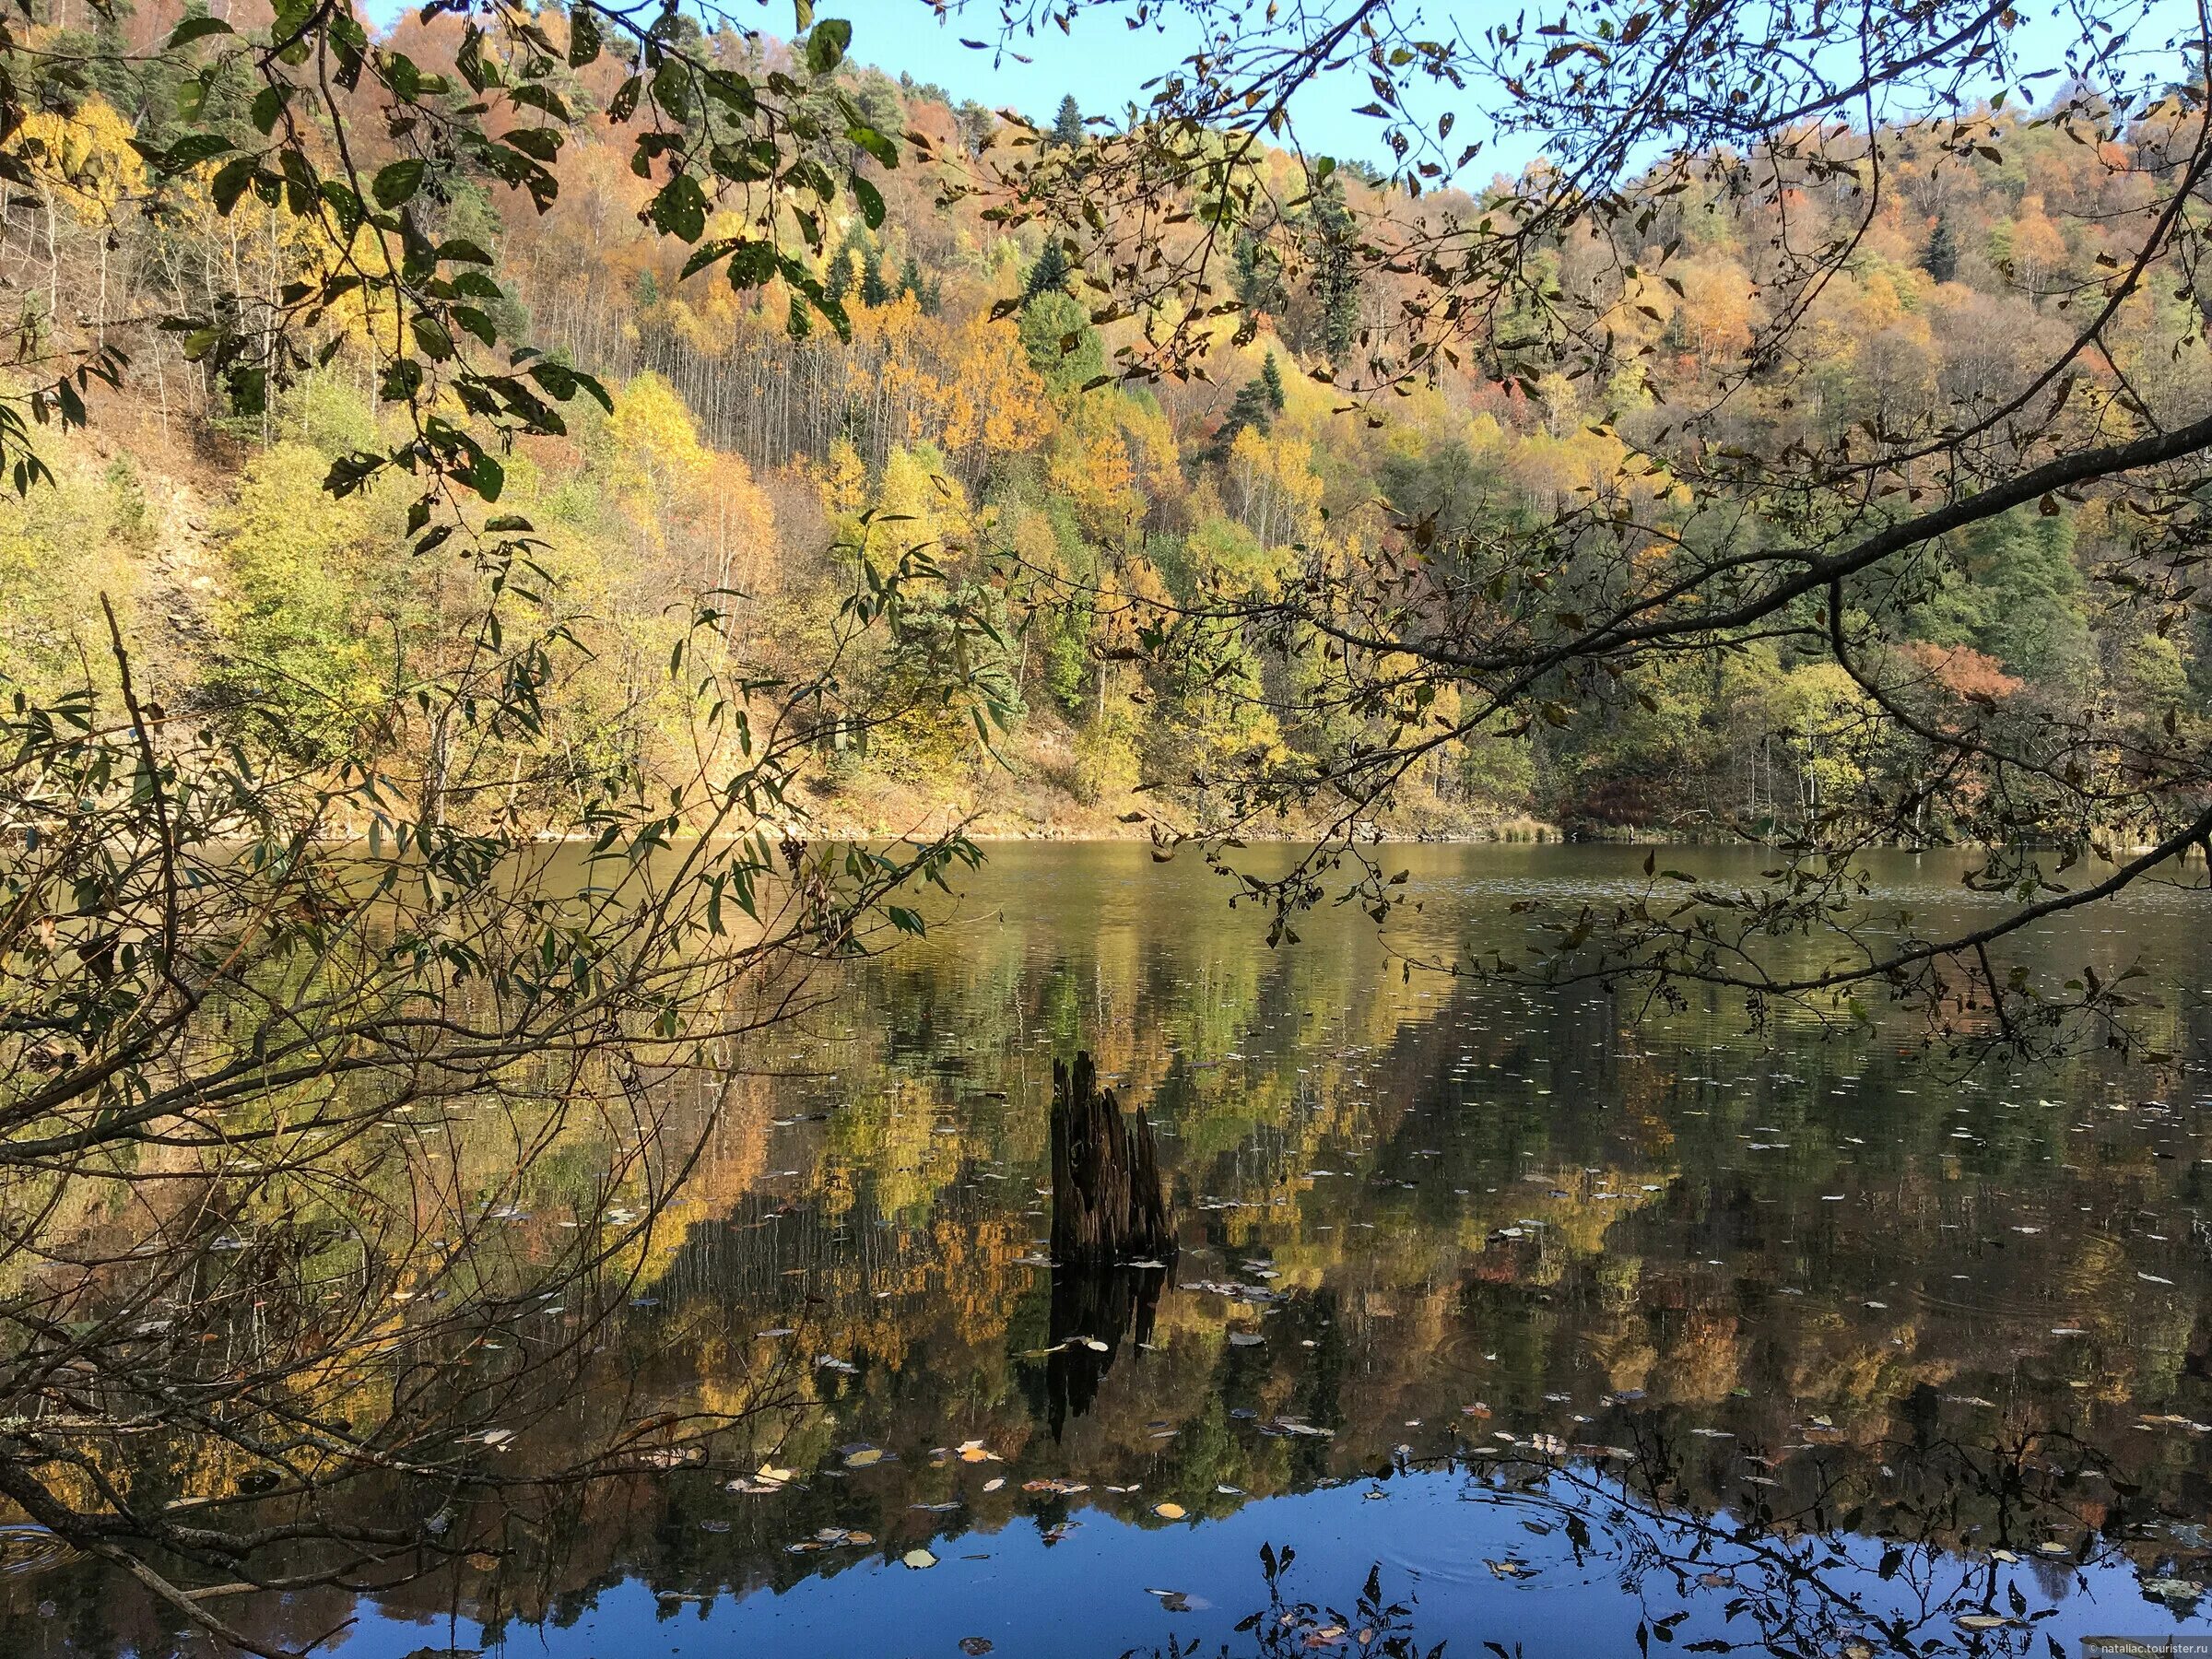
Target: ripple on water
29, 1549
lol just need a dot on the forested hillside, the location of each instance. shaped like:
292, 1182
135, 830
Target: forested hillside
758, 463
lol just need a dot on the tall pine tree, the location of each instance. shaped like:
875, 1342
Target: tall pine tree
1941, 261
1335, 270
1050, 272
1067, 126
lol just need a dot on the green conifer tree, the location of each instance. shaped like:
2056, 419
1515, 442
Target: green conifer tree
1251, 407
1941, 261
1257, 274
1335, 270
1050, 274
1067, 125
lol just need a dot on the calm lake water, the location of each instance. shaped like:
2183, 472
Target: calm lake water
1547, 1321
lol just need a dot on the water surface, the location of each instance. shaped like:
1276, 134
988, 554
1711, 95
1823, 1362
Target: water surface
1552, 1320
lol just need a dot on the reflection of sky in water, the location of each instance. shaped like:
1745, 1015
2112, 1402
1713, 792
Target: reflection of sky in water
1465, 1569
1420, 1215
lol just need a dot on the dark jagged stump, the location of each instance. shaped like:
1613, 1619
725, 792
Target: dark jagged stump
1108, 1204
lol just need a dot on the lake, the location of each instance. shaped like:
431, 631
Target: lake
1547, 1320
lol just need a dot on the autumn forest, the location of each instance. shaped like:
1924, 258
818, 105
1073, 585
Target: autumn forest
753, 461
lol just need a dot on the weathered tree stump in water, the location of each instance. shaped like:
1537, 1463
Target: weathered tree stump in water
1108, 1204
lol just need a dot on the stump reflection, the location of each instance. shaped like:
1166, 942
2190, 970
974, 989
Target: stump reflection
1094, 1305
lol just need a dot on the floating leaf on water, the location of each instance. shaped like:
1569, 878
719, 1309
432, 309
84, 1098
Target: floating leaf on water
2172, 1589
1245, 1339
865, 1457
992, 1483
974, 1451
831, 1362
1982, 1621
1169, 1511
767, 1479
973, 1646
2152, 1278
918, 1560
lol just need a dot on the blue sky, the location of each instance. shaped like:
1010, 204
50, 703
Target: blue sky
1105, 63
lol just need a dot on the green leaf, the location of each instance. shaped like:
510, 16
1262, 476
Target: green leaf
875, 143
542, 143
197, 29
231, 182
827, 44
583, 38
268, 104
430, 334
478, 324
395, 182
680, 208
707, 253
189, 152
871, 202
672, 87
489, 476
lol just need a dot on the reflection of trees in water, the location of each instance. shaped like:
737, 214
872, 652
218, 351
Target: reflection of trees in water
891, 1246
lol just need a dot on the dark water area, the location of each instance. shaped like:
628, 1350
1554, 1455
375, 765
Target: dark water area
1550, 1320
